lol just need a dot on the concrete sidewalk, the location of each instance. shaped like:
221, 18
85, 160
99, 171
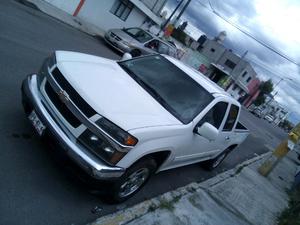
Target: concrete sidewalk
67, 18
239, 196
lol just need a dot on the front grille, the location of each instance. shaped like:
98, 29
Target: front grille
84, 107
114, 36
60, 106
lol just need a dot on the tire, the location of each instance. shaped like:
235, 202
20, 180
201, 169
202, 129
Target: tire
133, 180
135, 53
214, 163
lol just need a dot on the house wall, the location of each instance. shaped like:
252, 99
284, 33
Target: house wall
228, 55
248, 102
250, 73
98, 13
155, 5
67, 6
212, 50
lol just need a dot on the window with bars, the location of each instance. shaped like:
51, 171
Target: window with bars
122, 9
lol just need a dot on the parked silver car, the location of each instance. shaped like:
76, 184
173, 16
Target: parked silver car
138, 42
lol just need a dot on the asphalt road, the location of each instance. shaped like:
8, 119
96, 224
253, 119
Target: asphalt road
34, 188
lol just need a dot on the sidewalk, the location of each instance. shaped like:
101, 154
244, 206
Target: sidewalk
239, 196
67, 18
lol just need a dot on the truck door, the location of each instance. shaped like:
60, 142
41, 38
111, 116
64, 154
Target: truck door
200, 147
227, 135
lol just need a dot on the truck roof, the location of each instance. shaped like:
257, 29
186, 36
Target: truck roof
204, 81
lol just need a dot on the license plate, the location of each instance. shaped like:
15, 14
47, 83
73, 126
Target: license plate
37, 123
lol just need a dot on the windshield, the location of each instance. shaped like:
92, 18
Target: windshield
138, 34
171, 87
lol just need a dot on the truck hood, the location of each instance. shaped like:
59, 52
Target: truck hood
106, 87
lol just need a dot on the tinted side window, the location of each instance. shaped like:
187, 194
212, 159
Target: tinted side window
215, 115
162, 48
233, 113
172, 52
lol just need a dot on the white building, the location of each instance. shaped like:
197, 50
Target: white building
227, 69
107, 14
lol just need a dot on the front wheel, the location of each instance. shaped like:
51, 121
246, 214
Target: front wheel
214, 163
133, 180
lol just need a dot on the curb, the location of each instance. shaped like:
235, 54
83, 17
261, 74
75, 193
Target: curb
127, 215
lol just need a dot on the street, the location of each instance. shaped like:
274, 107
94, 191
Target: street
34, 189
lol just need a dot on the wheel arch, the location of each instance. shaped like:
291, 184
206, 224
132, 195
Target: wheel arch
231, 148
160, 157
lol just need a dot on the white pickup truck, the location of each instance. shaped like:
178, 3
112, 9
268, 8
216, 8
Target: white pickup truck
122, 121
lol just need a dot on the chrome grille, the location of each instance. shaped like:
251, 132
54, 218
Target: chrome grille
84, 107
61, 107
116, 37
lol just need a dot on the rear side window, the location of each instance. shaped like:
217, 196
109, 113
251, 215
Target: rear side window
172, 52
162, 48
232, 116
215, 115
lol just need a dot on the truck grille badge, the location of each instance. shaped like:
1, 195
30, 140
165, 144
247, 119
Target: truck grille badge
63, 96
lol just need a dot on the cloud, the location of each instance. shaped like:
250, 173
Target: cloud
274, 22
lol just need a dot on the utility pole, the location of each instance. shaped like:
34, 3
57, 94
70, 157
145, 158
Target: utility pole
182, 11
170, 17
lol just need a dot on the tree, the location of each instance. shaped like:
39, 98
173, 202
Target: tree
265, 89
179, 35
260, 100
286, 125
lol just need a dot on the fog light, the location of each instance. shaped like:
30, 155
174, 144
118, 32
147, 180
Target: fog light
94, 138
109, 150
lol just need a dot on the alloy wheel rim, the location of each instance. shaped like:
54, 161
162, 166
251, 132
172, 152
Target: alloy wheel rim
218, 160
134, 182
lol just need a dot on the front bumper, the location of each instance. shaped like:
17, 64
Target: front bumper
119, 46
33, 100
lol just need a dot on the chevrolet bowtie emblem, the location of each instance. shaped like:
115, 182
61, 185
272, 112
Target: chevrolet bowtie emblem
63, 96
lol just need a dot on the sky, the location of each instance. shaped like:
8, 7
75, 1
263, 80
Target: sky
274, 22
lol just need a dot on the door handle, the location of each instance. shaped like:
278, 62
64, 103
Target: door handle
227, 138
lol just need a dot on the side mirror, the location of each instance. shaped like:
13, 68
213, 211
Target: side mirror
208, 131
126, 56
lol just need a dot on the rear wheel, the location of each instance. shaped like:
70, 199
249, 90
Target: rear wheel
214, 163
133, 180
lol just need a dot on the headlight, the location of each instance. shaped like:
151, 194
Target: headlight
100, 147
116, 132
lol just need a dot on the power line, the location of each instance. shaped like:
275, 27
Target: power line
276, 51
257, 62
